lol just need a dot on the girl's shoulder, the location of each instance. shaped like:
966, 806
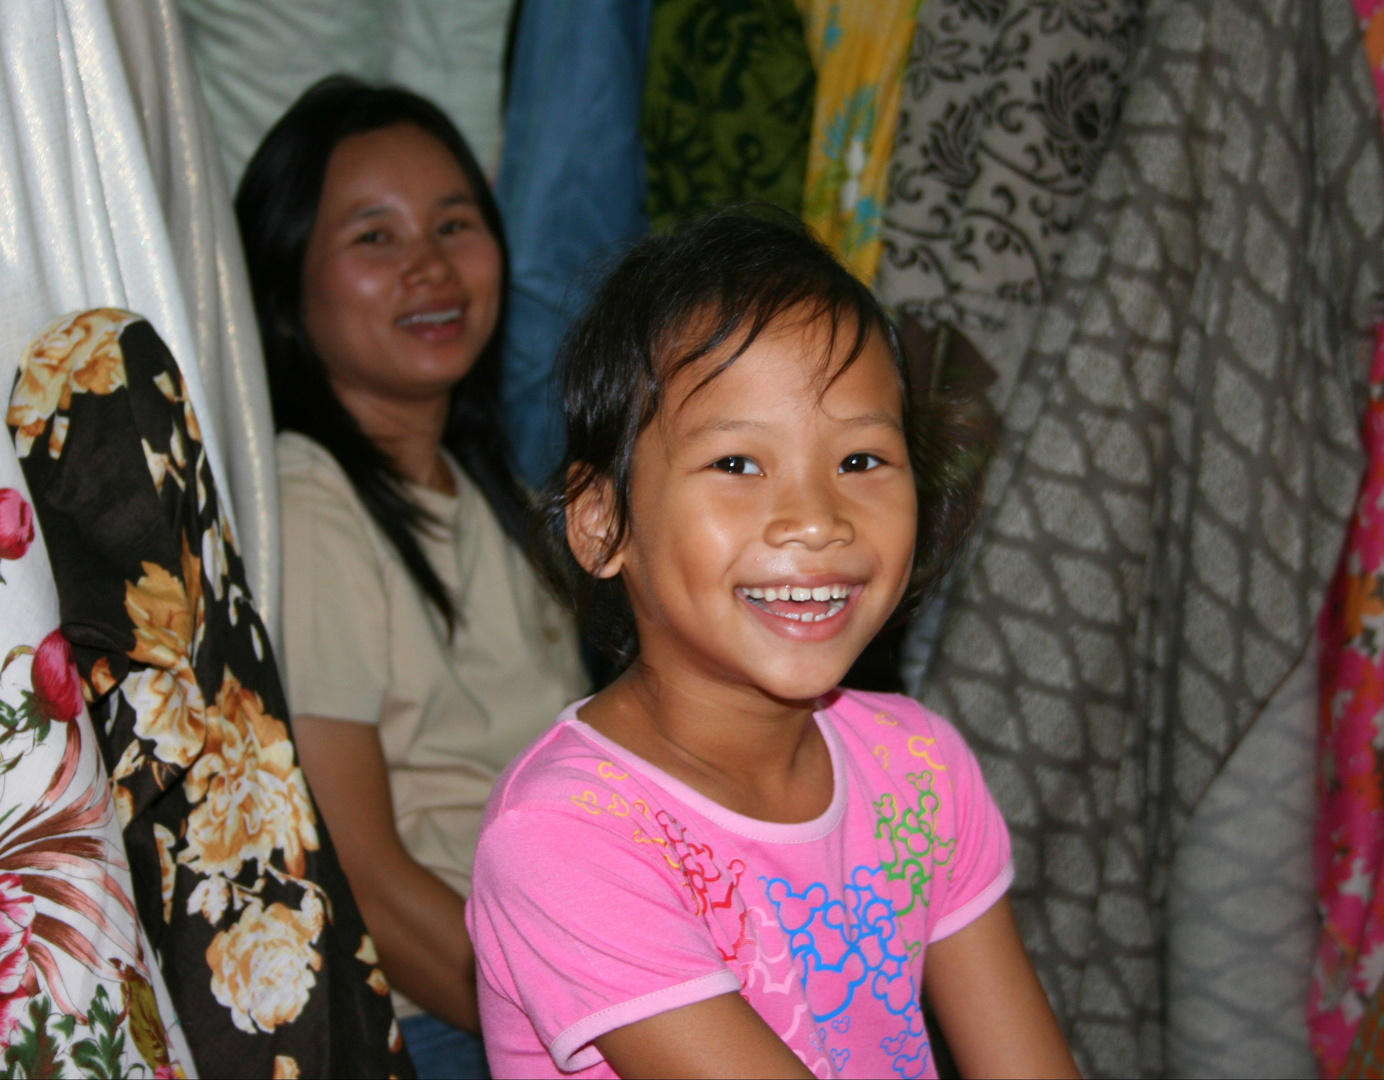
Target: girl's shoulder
872, 715
561, 770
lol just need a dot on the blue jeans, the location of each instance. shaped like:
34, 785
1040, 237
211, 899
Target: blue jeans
442, 1052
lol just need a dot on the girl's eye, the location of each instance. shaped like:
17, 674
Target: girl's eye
861, 463
738, 466
374, 236
447, 228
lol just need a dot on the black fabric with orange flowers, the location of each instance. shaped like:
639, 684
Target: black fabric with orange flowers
260, 941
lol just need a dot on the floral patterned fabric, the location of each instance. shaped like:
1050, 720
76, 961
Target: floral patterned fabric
263, 949
1007, 109
859, 51
77, 995
1349, 849
727, 106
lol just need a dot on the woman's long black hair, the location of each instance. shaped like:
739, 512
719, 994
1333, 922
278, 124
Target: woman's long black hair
276, 205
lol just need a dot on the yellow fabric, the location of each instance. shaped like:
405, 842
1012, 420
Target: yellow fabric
860, 51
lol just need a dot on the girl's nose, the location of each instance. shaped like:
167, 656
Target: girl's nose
811, 518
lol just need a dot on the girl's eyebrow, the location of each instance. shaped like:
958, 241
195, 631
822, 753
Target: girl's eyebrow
712, 427
875, 419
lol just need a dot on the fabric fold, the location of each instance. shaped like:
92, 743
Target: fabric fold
1179, 463
266, 956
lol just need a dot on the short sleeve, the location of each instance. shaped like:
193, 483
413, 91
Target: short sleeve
581, 930
981, 866
335, 609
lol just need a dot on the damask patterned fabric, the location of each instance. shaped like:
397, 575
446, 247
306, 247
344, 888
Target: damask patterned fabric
1007, 109
859, 52
263, 949
1170, 496
727, 106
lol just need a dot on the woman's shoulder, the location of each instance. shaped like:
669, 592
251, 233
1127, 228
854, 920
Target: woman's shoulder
317, 503
303, 460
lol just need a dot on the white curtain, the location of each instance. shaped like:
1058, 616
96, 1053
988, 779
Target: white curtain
256, 56
111, 194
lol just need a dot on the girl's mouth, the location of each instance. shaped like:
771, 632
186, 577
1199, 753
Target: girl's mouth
799, 603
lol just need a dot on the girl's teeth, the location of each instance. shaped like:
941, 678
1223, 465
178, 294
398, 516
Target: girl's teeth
802, 594
822, 592
835, 607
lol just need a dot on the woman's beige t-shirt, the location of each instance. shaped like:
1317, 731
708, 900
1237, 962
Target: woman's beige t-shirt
361, 643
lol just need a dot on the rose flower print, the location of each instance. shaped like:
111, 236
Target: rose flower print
16, 525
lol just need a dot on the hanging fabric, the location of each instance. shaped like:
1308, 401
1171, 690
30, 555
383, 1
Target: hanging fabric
1006, 113
264, 951
860, 52
1180, 459
727, 106
255, 57
80, 991
1349, 844
572, 191
113, 195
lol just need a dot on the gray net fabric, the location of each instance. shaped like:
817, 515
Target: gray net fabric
1241, 910
1168, 503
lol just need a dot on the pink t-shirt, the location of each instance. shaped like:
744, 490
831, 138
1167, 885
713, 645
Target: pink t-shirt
606, 891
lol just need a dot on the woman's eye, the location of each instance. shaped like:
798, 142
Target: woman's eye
738, 466
374, 236
447, 228
861, 463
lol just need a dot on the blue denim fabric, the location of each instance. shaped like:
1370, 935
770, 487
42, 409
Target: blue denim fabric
442, 1052
572, 191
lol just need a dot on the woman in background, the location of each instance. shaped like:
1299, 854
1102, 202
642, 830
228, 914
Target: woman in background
421, 652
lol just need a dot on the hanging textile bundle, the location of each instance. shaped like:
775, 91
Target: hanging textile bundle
1180, 459
1007, 110
727, 106
859, 51
266, 956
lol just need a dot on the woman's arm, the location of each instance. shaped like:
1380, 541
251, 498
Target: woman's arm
722, 1036
416, 920
992, 1007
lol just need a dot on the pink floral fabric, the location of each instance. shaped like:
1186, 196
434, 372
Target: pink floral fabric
1349, 848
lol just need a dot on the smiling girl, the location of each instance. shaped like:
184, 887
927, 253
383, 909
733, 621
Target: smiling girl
722, 864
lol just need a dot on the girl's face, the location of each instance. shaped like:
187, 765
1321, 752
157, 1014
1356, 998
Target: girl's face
401, 277
772, 519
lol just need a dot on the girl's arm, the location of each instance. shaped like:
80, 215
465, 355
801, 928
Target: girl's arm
722, 1036
989, 1001
416, 920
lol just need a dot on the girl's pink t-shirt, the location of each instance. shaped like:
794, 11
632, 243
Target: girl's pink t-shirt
606, 892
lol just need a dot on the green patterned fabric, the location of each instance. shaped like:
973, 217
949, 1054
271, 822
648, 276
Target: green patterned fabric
727, 106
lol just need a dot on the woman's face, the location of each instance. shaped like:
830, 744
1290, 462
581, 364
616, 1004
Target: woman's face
401, 277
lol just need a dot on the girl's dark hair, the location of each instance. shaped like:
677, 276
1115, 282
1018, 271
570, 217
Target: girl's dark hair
276, 205
673, 299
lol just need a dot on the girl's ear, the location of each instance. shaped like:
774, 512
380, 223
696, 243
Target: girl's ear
591, 524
